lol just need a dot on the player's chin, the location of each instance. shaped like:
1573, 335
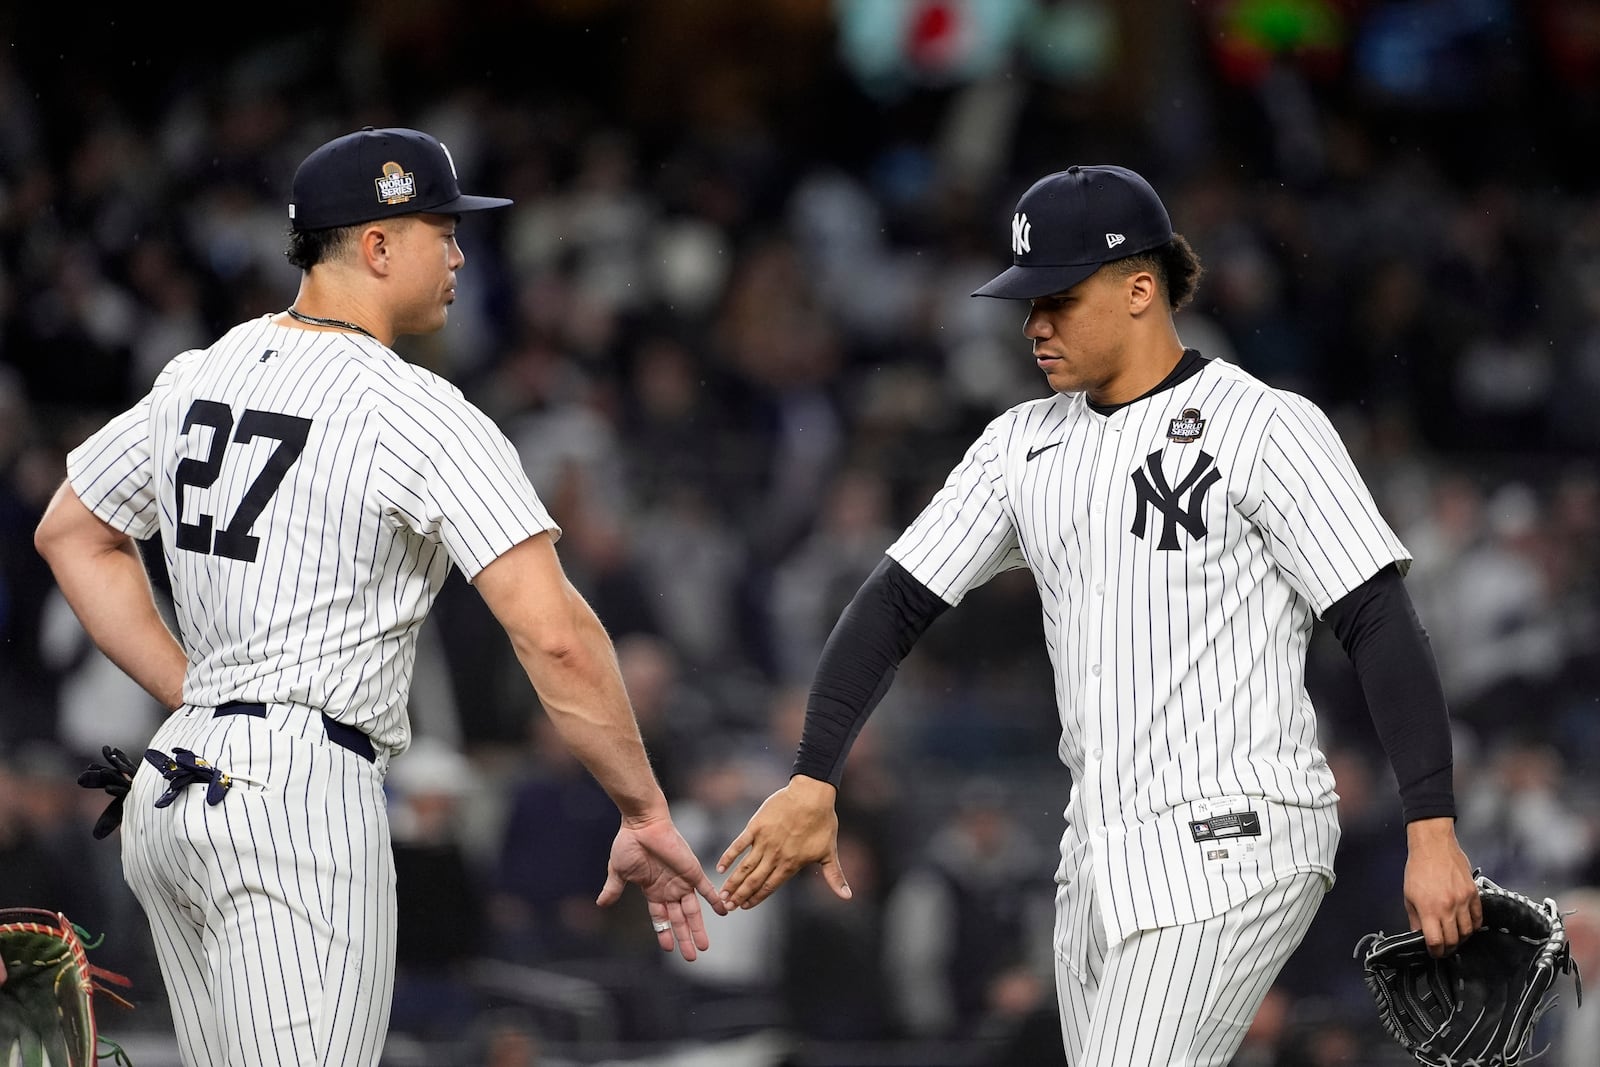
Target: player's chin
1056, 373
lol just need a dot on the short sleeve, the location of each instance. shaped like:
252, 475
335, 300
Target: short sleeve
113, 473
1322, 526
966, 534
449, 473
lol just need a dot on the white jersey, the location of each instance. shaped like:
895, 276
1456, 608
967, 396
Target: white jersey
1182, 546
312, 490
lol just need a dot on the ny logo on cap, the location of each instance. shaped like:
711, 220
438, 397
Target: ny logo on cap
1020, 231
1114, 239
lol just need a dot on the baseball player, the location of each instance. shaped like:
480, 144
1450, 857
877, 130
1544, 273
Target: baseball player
312, 491
1185, 525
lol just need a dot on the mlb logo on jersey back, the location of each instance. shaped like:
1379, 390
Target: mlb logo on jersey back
396, 186
1186, 427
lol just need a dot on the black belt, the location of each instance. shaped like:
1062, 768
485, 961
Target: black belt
341, 734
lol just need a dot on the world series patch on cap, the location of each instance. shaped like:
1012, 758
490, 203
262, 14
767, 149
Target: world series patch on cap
378, 174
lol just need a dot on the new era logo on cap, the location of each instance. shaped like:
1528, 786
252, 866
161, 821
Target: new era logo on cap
1070, 222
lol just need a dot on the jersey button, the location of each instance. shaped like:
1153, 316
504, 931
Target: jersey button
1095, 670
1097, 753
1099, 590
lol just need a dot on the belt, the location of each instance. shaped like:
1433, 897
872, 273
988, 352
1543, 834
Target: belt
341, 734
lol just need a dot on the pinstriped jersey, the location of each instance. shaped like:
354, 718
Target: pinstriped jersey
312, 490
1182, 547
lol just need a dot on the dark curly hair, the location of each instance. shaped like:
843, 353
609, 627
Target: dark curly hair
307, 248
1176, 267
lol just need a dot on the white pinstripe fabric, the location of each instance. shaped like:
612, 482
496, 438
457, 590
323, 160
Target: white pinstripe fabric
1182, 996
312, 491
400, 478
273, 912
1179, 670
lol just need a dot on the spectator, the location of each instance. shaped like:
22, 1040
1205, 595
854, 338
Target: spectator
834, 986
1524, 820
817, 580
739, 989
439, 897
975, 881
552, 858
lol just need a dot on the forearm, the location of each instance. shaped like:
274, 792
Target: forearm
104, 582
569, 658
1385, 640
581, 689
877, 629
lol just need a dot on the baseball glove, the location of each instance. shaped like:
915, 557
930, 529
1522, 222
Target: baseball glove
47, 998
1478, 1006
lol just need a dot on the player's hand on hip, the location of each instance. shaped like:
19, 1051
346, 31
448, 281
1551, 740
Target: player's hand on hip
794, 827
1441, 897
654, 856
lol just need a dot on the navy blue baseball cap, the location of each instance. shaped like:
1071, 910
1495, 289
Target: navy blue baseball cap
1071, 222
378, 174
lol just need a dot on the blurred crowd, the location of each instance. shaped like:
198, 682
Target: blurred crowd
727, 326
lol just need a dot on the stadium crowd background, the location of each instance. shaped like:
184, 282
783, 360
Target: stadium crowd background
727, 325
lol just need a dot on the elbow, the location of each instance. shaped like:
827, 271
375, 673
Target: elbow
55, 528
47, 538
552, 645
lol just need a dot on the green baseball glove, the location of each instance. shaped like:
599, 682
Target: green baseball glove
47, 997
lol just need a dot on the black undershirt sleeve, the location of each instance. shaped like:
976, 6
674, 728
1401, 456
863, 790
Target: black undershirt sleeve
1380, 631
888, 614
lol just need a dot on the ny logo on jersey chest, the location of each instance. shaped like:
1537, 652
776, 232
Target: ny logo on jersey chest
1150, 488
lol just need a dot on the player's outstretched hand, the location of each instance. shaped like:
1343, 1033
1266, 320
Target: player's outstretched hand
653, 855
794, 827
1441, 897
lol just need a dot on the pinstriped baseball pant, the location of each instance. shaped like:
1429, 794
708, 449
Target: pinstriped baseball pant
273, 912
1183, 995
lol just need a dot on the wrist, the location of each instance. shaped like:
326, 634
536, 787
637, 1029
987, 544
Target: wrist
645, 811
813, 790
1427, 831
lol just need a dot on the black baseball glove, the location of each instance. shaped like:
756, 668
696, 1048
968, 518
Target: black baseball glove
115, 776
1478, 1006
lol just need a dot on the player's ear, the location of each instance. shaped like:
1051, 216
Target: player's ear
1142, 290
374, 246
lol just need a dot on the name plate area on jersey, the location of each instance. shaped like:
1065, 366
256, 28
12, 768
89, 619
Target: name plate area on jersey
1223, 827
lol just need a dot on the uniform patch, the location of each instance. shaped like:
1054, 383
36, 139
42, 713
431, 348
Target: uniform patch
397, 185
1217, 854
1239, 824
1187, 426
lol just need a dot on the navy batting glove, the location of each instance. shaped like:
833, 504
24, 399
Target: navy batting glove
115, 776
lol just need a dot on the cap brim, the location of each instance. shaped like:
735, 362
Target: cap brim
464, 203
1030, 283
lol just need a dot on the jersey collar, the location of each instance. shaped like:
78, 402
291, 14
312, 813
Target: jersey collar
1189, 364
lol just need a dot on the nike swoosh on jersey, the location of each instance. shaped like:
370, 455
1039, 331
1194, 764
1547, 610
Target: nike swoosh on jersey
1042, 448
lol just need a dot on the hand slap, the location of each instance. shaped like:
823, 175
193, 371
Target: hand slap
794, 827
655, 857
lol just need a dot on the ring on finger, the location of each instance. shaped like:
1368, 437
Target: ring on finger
661, 926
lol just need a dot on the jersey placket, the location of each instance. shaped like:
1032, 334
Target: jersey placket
1099, 644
